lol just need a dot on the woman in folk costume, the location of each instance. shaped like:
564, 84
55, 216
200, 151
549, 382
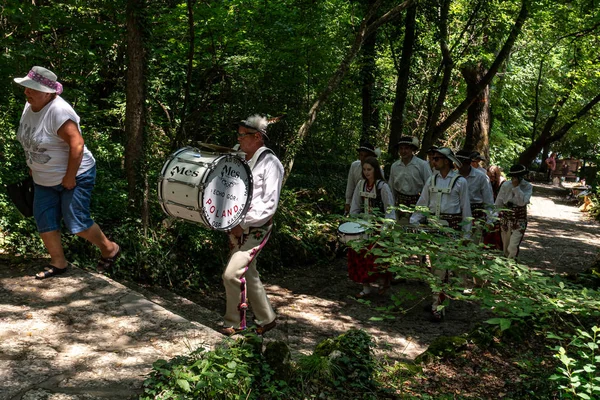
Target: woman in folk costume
513, 199
372, 194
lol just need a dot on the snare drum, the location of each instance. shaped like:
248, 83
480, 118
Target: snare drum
349, 231
212, 189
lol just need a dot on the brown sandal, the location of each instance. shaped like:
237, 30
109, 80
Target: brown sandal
228, 330
261, 330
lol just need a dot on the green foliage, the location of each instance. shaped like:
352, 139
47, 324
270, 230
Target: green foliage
236, 370
512, 291
579, 372
341, 368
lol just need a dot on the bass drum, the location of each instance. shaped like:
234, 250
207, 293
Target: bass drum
214, 190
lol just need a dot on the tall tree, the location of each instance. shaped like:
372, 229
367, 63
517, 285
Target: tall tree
403, 78
368, 68
135, 107
482, 81
364, 31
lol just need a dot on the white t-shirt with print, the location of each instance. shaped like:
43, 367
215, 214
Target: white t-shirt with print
47, 154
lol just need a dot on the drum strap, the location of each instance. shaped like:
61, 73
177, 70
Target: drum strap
260, 153
433, 189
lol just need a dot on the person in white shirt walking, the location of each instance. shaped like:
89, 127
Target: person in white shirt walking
446, 194
514, 196
408, 175
63, 169
246, 240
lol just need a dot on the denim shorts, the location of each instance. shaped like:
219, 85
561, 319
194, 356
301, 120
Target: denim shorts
53, 203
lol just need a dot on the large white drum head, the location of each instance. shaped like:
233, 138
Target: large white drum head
211, 189
227, 192
349, 231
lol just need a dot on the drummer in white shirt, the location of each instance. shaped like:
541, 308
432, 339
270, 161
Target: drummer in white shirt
241, 278
408, 175
446, 194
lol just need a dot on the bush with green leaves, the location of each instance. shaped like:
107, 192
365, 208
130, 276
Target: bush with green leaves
511, 290
579, 369
235, 370
343, 365
340, 368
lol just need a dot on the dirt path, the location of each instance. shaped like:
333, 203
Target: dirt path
559, 237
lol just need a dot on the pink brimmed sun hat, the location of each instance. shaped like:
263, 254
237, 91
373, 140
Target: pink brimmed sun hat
42, 80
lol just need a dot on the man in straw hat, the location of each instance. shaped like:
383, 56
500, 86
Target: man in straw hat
63, 169
446, 195
513, 198
241, 278
365, 150
408, 175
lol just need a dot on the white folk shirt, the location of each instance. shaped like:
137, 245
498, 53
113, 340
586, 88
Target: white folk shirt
480, 189
47, 153
409, 179
455, 202
358, 202
354, 175
519, 195
267, 178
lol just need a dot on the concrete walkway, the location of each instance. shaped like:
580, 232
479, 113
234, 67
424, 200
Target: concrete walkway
83, 336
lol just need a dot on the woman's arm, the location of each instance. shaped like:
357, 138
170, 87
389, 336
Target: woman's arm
71, 135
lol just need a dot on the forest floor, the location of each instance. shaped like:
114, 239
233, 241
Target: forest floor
316, 303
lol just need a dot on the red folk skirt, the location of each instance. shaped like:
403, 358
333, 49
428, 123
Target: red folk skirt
363, 269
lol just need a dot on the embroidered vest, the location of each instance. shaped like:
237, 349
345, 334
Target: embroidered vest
371, 200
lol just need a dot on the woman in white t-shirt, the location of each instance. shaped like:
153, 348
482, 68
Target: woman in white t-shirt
63, 169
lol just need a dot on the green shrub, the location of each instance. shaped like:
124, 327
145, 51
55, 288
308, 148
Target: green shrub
236, 370
579, 372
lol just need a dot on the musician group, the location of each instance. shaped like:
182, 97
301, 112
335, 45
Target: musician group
455, 190
237, 191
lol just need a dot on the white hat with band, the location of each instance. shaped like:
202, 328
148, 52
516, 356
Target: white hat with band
42, 80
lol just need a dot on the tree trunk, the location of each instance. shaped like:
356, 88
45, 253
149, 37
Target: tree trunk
364, 31
547, 137
369, 112
135, 110
434, 133
446, 68
402, 82
478, 113
181, 136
